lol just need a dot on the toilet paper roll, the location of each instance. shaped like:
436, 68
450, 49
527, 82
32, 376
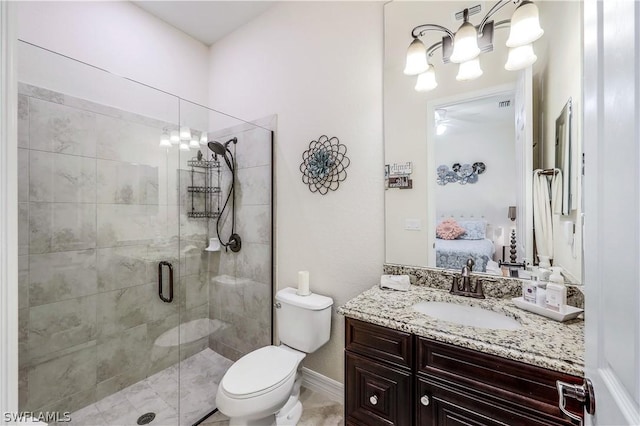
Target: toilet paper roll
303, 283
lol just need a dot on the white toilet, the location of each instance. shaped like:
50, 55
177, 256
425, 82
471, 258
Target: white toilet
263, 387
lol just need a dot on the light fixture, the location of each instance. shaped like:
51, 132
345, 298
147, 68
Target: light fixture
520, 57
465, 43
427, 80
512, 213
525, 25
469, 42
175, 137
440, 129
164, 141
203, 138
469, 70
185, 133
416, 58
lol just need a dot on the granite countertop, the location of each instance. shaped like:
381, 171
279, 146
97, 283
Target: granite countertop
541, 341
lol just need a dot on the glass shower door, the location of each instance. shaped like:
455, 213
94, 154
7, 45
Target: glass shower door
99, 218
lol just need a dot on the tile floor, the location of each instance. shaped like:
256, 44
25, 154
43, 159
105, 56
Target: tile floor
317, 410
198, 377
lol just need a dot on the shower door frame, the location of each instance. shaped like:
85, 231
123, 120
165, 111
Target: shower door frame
8, 212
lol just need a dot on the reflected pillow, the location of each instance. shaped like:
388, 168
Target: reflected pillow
449, 229
474, 229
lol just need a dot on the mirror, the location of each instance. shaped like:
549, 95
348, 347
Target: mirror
410, 132
563, 158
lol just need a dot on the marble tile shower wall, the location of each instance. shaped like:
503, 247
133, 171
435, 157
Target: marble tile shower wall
99, 208
241, 283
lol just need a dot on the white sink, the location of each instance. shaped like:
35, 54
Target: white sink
467, 315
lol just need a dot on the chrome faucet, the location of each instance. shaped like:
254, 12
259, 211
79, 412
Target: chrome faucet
466, 290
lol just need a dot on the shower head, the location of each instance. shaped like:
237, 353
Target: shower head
223, 150
217, 148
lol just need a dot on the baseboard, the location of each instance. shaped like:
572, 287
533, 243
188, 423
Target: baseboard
322, 384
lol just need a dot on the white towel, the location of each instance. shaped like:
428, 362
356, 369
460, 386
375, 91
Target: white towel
395, 282
542, 221
556, 192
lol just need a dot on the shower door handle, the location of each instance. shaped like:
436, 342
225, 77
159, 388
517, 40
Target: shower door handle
160, 286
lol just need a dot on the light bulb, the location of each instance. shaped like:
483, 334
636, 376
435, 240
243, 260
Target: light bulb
175, 137
426, 81
465, 44
520, 57
469, 70
416, 58
525, 25
440, 129
164, 141
203, 138
184, 146
185, 133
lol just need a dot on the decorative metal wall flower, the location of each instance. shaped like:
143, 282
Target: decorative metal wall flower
323, 164
461, 173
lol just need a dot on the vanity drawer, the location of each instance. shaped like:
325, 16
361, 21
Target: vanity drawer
379, 342
444, 403
376, 394
522, 384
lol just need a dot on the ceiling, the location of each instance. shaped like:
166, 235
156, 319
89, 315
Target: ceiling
207, 21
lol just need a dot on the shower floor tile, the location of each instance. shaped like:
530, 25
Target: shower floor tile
197, 377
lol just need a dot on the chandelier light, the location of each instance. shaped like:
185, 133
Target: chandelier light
465, 46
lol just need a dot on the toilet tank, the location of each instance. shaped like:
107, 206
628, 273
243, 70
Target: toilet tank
304, 322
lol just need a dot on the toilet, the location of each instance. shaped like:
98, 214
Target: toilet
263, 387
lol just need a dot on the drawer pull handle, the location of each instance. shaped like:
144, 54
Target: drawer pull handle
424, 400
373, 400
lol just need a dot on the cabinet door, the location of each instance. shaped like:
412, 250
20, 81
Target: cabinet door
376, 394
445, 404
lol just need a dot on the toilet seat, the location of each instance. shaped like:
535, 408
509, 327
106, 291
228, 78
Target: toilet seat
259, 372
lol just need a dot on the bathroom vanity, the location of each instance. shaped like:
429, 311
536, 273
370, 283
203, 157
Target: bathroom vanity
405, 368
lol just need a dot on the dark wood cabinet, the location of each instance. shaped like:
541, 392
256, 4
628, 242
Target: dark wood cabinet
396, 378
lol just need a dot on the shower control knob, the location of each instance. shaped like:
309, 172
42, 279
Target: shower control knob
373, 400
425, 400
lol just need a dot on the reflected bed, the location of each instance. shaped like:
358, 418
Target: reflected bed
453, 254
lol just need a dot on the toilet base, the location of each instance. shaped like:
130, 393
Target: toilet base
291, 417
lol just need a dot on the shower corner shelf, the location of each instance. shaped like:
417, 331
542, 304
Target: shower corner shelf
209, 191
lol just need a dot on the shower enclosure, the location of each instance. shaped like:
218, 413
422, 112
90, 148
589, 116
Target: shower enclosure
124, 318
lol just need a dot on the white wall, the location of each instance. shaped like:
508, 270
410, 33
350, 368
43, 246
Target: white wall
121, 38
560, 69
318, 66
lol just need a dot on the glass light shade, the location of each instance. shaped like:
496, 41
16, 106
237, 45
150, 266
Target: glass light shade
185, 133
426, 81
203, 138
469, 70
175, 137
164, 141
194, 144
525, 25
465, 44
184, 146
520, 57
416, 58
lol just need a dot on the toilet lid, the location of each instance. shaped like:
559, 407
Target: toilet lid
258, 371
